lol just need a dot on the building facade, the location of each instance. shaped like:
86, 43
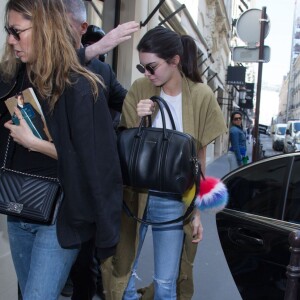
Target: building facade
293, 95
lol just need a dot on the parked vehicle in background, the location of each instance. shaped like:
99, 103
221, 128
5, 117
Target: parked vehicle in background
291, 141
262, 211
278, 135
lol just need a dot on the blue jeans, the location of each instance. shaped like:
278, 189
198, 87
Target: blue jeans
167, 246
233, 164
42, 266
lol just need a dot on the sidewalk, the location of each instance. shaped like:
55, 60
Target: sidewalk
220, 166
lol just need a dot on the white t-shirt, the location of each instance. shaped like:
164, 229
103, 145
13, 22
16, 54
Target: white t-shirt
175, 105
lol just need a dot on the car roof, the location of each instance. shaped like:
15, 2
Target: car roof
261, 161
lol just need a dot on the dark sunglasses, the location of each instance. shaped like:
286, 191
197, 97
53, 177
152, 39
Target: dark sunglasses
147, 67
15, 32
238, 118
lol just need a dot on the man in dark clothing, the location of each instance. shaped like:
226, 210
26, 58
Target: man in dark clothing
85, 272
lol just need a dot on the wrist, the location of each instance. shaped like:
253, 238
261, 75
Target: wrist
32, 143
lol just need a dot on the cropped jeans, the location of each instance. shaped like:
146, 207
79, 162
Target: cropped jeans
167, 246
42, 266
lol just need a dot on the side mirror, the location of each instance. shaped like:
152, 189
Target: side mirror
287, 132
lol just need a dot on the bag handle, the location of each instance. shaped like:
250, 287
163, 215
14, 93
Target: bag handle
161, 104
159, 101
20, 172
6, 153
177, 220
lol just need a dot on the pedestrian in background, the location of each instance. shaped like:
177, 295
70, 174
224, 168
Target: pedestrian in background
169, 63
40, 53
237, 154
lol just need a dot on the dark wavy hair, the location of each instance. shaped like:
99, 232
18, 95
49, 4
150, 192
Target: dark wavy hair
166, 43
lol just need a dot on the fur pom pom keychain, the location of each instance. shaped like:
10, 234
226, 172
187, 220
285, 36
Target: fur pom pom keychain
213, 195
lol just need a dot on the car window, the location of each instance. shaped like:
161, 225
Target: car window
292, 213
281, 130
297, 127
259, 189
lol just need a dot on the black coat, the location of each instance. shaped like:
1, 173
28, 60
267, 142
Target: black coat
114, 91
88, 168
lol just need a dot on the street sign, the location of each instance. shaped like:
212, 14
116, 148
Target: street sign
236, 75
262, 128
248, 26
250, 55
248, 101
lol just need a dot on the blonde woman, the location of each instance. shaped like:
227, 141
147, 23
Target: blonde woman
40, 53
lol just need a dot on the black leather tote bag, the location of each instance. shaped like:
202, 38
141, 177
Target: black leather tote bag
158, 159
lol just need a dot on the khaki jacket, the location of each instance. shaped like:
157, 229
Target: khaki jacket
201, 113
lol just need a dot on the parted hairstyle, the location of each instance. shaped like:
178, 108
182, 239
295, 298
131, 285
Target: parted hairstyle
166, 43
55, 59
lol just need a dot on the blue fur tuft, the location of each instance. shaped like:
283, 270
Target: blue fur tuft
215, 200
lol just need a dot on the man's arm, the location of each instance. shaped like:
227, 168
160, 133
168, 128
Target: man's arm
112, 39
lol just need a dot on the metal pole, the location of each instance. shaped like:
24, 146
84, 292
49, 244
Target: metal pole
255, 151
293, 269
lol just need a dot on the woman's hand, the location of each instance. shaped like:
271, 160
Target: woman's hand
197, 226
22, 134
145, 107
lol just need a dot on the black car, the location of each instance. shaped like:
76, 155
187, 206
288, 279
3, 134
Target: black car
263, 209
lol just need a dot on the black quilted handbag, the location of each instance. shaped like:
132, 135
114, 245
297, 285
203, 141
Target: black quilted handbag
32, 197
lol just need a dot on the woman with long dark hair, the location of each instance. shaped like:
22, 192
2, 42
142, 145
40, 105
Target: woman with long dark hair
169, 63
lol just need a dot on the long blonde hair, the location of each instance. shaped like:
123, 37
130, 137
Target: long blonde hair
55, 59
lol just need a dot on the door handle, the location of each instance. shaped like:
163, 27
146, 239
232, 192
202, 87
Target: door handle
245, 236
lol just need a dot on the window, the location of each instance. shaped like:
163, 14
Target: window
259, 189
297, 127
293, 199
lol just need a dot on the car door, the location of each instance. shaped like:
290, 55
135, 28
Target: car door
252, 231
292, 207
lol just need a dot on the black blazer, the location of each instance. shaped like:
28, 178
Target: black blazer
114, 91
88, 168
